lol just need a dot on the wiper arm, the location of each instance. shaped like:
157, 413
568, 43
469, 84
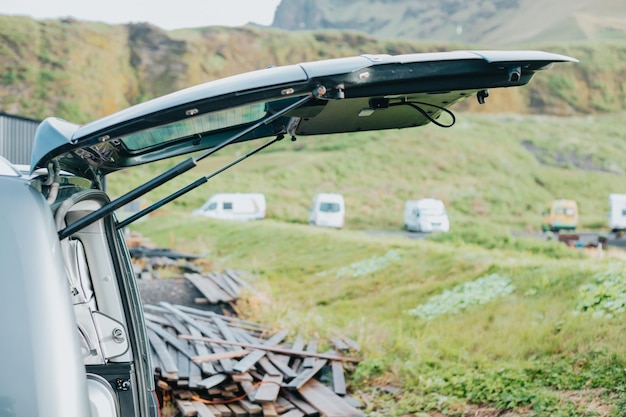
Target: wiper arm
193, 185
176, 170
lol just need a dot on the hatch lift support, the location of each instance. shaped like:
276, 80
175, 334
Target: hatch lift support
179, 169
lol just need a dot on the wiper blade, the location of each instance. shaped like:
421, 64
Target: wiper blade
175, 171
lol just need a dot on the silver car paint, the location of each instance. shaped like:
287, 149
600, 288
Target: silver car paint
39, 338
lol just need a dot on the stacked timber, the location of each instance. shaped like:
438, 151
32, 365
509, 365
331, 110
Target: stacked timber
219, 287
209, 364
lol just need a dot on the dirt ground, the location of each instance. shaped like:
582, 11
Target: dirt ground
176, 291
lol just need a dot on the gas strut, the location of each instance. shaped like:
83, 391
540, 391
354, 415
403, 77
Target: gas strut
193, 185
178, 169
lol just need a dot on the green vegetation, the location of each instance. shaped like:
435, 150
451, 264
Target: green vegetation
451, 326
84, 71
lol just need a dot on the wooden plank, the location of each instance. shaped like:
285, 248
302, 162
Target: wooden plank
170, 338
329, 403
225, 363
351, 343
298, 344
223, 410
306, 375
203, 410
249, 389
237, 410
195, 374
233, 321
156, 319
268, 367
212, 381
269, 410
339, 380
224, 355
216, 411
251, 408
267, 348
309, 361
225, 331
208, 288
253, 357
234, 275
169, 370
186, 408
304, 406
283, 405
269, 389
296, 412
176, 323
203, 350
225, 283
281, 362
340, 344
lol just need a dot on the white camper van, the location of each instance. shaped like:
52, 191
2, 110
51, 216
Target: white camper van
426, 215
328, 210
234, 206
617, 213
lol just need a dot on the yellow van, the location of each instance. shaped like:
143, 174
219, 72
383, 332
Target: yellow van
560, 215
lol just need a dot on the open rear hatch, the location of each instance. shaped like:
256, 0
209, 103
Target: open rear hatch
369, 92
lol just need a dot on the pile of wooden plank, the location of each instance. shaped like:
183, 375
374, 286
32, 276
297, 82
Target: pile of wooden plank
210, 364
219, 287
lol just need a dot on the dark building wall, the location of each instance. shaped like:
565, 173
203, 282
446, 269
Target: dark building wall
16, 137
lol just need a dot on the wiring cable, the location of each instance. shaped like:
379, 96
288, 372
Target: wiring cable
416, 106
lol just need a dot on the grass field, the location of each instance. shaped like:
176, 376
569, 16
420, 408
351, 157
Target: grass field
521, 326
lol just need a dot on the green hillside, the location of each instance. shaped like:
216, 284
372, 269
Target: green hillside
81, 71
492, 22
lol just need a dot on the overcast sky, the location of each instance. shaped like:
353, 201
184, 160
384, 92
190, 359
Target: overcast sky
163, 13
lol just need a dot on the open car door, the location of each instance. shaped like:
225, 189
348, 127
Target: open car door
368, 92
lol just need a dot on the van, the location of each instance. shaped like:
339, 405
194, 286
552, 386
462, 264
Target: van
234, 206
617, 212
426, 215
327, 210
560, 215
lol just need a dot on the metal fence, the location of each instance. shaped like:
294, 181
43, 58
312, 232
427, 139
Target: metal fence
16, 137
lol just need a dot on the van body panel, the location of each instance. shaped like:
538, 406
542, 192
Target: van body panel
426, 215
234, 206
617, 212
560, 215
327, 210
40, 339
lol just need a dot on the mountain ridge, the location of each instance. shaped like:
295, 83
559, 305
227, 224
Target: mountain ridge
503, 23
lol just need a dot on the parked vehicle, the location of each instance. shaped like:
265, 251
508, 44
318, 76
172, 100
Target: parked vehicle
617, 212
327, 210
426, 215
560, 215
234, 206
74, 337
